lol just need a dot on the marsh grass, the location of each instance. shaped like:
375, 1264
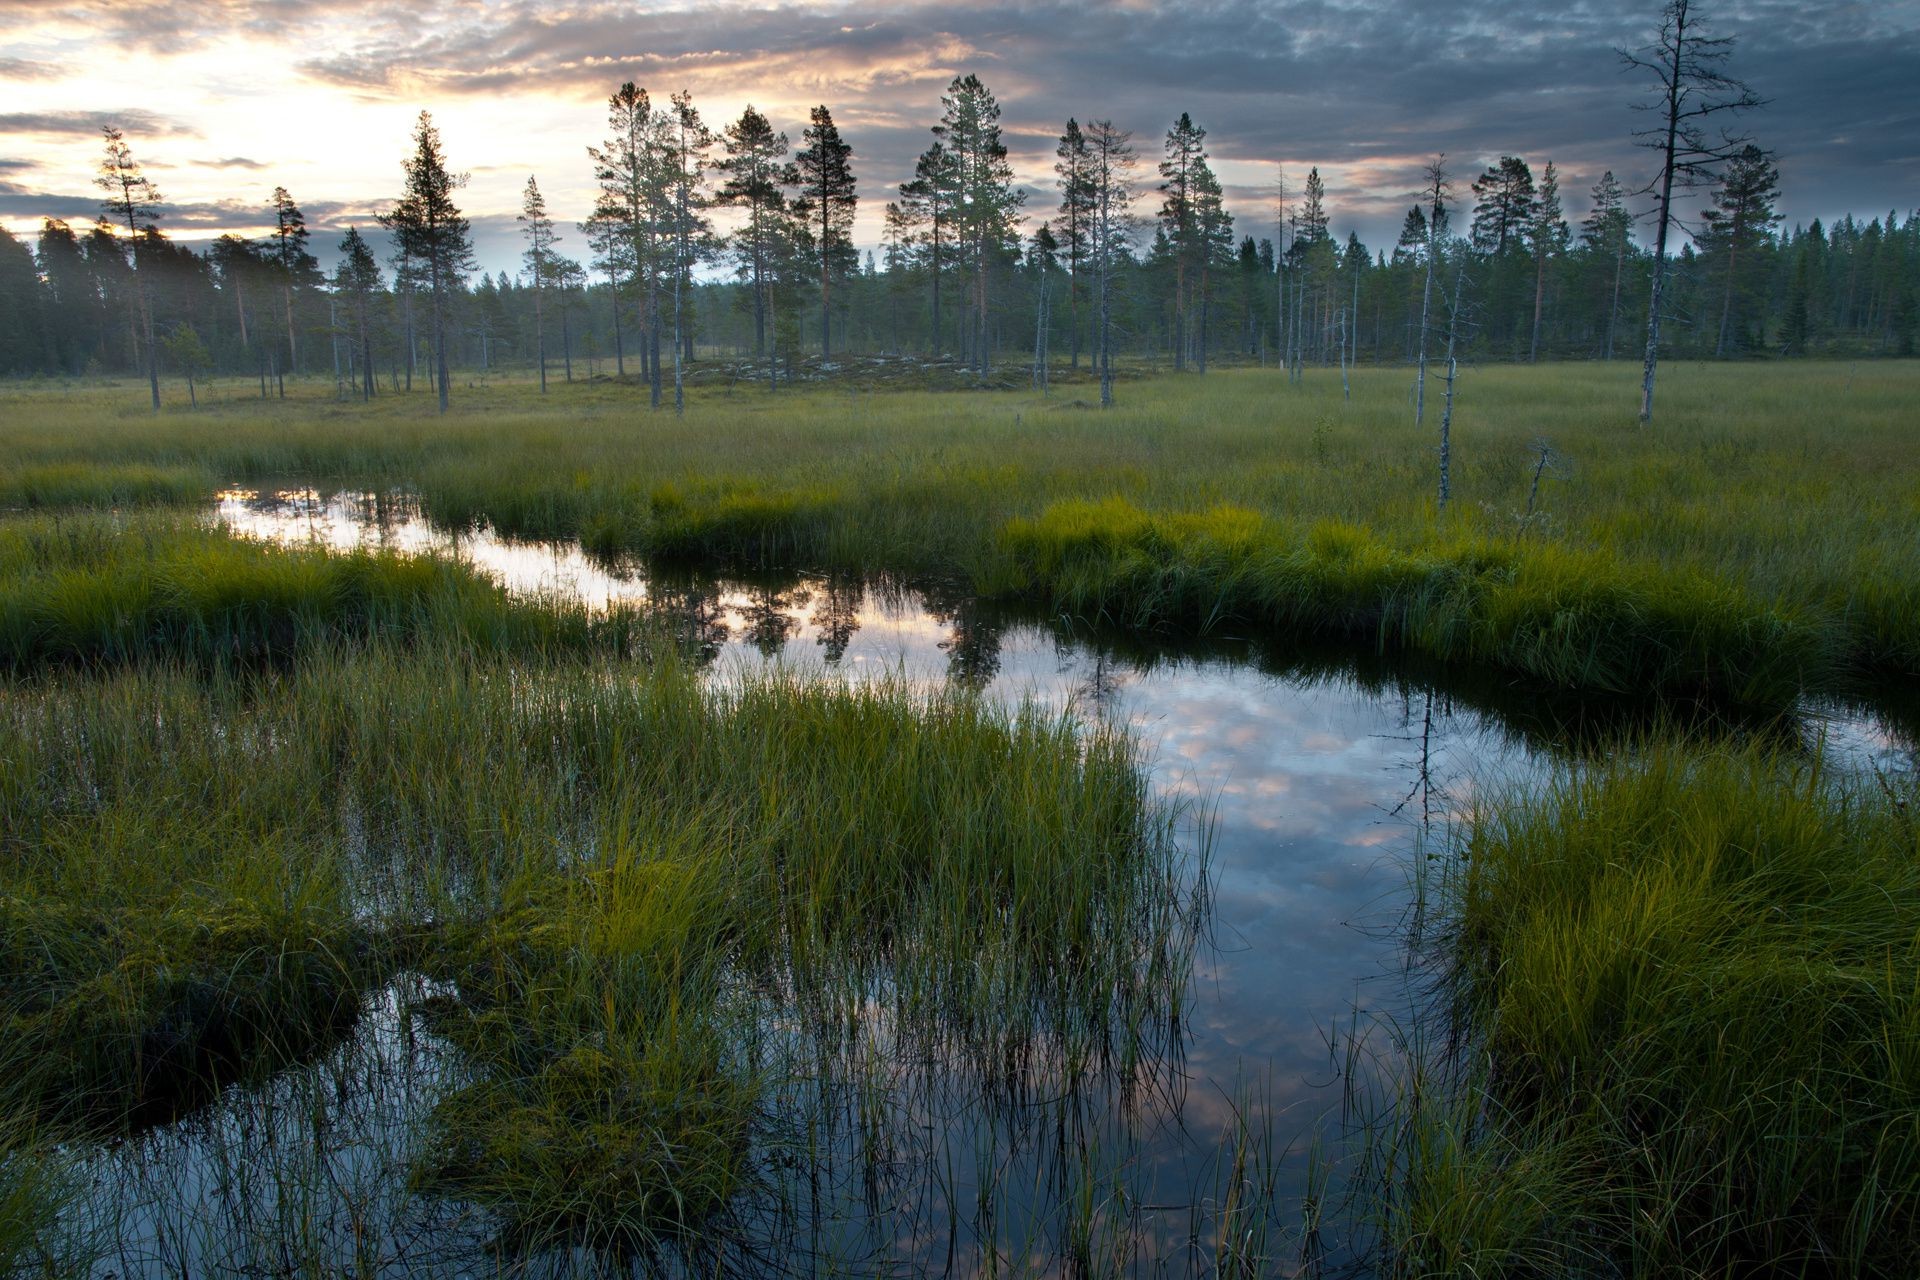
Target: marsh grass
1759, 541
91, 590
623, 881
1688, 1029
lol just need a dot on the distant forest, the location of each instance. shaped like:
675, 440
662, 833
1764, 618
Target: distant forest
1150, 263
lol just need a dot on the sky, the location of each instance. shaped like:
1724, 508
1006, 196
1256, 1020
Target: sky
222, 100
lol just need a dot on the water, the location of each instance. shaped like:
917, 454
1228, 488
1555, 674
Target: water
1317, 783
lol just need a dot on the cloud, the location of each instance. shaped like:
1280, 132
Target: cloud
1365, 89
233, 162
131, 120
29, 69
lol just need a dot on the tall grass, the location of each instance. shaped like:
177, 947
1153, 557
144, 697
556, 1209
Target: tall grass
1761, 537
632, 888
91, 590
1686, 978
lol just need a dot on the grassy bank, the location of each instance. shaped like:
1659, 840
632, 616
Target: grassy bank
1758, 540
1688, 981
92, 590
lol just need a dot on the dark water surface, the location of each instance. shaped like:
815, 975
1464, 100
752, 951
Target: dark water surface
1317, 786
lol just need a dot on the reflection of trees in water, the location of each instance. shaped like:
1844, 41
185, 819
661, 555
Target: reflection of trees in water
836, 616
769, 622
1436, 711
973, 647
1099, 685
696, 616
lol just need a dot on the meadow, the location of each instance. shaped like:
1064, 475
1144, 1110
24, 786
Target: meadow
251, 795
1757, 543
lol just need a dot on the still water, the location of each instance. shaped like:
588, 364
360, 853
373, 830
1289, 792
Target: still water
1313, 789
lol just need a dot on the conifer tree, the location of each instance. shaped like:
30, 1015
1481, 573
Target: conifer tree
929, 201
132, 199
754, 164
1607, 232
541, 264
823, 172
1547, 235
1074, 229
357, 280
432, 233
1111, 165
987, 201
1737, 225
1506, 205
297, 267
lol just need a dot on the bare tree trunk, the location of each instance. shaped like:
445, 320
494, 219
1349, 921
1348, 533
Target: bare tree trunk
1446, 413
440, 337
1726, 300
1426, 304
1539, 296
540, 330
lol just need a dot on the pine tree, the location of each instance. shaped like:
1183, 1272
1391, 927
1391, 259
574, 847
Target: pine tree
688, 143
1506, 206
357, 279
618, 229
297, 267
1076, 214
1740, 221
1607, 232
132, 199
826, 202
1180, 221
432, 233
929, 201
986, 199
1110, 169
754, 164
541, 264
1547, 235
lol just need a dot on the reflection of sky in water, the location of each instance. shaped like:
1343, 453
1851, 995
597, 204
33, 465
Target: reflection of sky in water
1301, 780
1317, 788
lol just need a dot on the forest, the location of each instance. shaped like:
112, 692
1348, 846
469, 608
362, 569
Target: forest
1150, 264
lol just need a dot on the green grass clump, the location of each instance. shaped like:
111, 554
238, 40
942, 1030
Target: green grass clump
57, 485
1561, 617
1692, 974
90, 591
122, 1013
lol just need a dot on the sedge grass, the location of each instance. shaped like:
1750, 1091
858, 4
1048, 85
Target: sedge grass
1758, 542
1687, 980
618, 874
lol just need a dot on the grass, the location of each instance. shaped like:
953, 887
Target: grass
1755, 543
623, 880
1687, 977
93, 591
246, 793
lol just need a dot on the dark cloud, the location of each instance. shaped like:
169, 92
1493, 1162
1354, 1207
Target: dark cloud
232, 162
132, 120
29, 69
1365, 88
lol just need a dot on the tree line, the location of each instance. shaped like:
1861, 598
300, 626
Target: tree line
1120, 263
